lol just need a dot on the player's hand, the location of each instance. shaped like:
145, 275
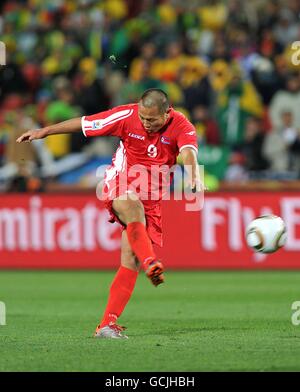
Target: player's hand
32, 135
198, 186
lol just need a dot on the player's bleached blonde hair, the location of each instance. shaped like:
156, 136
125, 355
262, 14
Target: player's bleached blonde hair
155, 97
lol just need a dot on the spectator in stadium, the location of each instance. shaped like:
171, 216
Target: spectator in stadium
19, 169
266, 79
220, 50
61, 109
236, 170
219, 75
90, 89
171, 65
148, 54
195, 84
132, 90
236, 102
282, 145
11, 79
207, 128
286, 30
287, 98
252, 146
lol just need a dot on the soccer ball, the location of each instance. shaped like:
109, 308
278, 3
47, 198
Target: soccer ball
266, 234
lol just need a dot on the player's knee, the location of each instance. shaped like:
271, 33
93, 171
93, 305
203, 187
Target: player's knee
136, 213
129, 210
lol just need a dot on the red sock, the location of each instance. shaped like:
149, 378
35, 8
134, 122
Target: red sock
119, 294
140, 243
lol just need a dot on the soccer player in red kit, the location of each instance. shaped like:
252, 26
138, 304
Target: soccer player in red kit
151, 134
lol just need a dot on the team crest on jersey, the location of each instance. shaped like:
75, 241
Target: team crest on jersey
165, 140
97, 124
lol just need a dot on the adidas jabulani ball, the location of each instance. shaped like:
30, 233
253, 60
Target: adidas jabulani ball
266, 234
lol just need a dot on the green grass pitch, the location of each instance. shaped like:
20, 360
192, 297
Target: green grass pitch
196, 321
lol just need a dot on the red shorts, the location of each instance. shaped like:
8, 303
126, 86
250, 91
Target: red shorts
114, 188
153, 219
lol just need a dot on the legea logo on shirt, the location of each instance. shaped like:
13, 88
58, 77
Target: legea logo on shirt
135, 136
165, 140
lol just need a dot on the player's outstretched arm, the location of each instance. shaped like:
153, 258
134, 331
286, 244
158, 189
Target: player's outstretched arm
190, 162
69, 126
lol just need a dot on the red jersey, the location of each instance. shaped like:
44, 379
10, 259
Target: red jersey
137, 147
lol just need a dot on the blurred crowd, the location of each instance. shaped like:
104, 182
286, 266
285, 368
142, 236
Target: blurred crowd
229, 66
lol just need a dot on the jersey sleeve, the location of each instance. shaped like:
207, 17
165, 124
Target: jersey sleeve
187, 136
107, 123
